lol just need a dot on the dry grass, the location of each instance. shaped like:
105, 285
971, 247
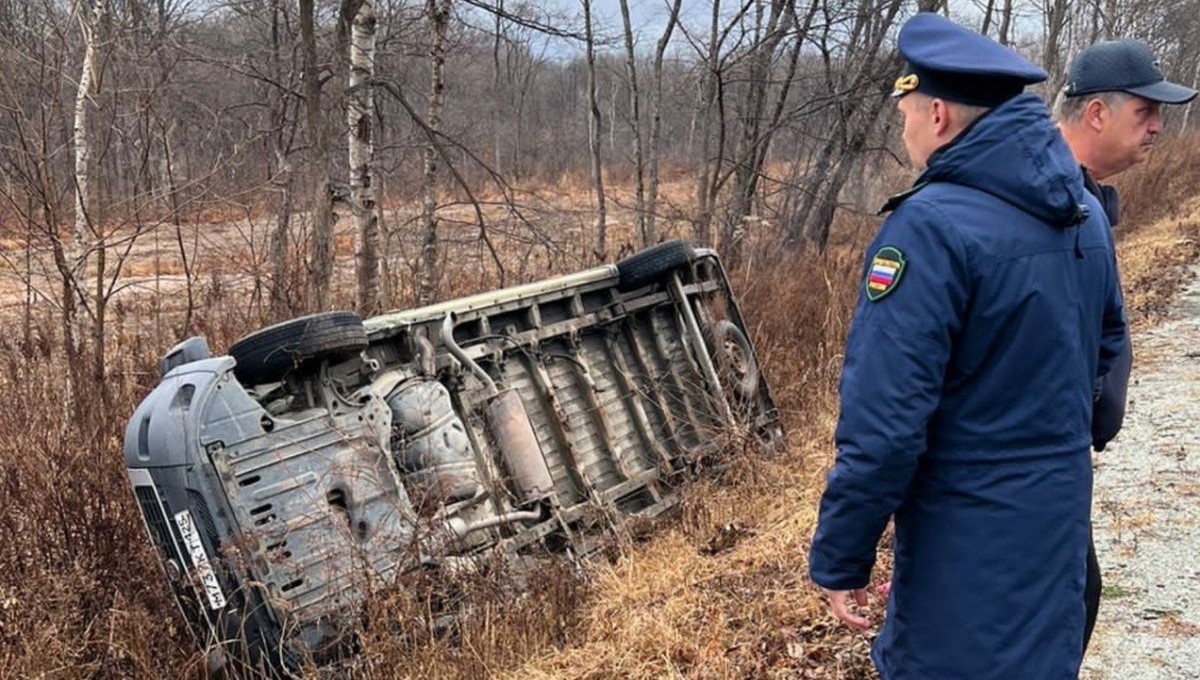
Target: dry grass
678, 608
1159, 236
720, 593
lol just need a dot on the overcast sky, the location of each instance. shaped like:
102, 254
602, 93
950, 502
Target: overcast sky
647, 16
650, 16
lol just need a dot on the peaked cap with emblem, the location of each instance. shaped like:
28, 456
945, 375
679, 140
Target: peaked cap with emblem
948, 61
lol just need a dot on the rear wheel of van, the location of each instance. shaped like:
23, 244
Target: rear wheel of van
649, 265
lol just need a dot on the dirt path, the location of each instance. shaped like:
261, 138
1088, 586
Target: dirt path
1147, 511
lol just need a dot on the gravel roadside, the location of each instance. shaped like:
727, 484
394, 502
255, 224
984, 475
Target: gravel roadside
1146, 511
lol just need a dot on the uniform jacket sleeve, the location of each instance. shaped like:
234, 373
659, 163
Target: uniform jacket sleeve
896, 357
1116, 361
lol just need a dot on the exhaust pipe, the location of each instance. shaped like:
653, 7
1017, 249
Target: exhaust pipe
508, 423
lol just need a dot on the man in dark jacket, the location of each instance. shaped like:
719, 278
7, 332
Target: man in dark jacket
1110, 114
990, 305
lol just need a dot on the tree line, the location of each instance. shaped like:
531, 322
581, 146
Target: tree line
131, 121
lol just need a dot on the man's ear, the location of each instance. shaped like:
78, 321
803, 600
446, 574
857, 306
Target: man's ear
939, 116
1095, 114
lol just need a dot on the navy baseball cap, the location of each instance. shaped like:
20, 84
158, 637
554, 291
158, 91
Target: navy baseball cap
1123, 66
948, 61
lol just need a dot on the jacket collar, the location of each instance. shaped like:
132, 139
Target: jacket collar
1109, 200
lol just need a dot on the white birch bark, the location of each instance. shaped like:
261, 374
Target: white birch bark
89, 13
359, 112
1187, 112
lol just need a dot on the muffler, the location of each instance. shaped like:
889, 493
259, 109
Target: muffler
513, 435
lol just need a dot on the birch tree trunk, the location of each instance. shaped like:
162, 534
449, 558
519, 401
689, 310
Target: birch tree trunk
89, 13
656, 124
1187, 112
437, 13
359, 113
601, 225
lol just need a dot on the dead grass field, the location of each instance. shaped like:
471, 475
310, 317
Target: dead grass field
721, 592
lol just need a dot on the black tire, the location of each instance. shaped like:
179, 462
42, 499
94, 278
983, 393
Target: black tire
735, 357
649, 265
267, 355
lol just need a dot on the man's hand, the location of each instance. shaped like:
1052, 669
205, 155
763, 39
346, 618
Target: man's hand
839, 600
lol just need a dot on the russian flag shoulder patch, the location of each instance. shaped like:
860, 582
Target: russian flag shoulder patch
885, 271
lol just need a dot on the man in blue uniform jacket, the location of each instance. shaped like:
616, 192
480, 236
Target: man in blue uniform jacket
989, 307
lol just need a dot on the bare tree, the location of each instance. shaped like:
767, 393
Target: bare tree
516, 67
75, 271
320, 268
757, 130
497, 96
635, 126
1056, 19
858, 113
1187, 111
321, 264
711, 111
597, 169
256, 92
988, 11
705, 198
90, 14
656, 105
283, 126
1005, 23
437, 14
361, 144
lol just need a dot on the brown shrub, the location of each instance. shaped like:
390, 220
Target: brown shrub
1158, 237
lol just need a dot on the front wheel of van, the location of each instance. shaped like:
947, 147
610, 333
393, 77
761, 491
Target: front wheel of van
735, 357
267, 355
